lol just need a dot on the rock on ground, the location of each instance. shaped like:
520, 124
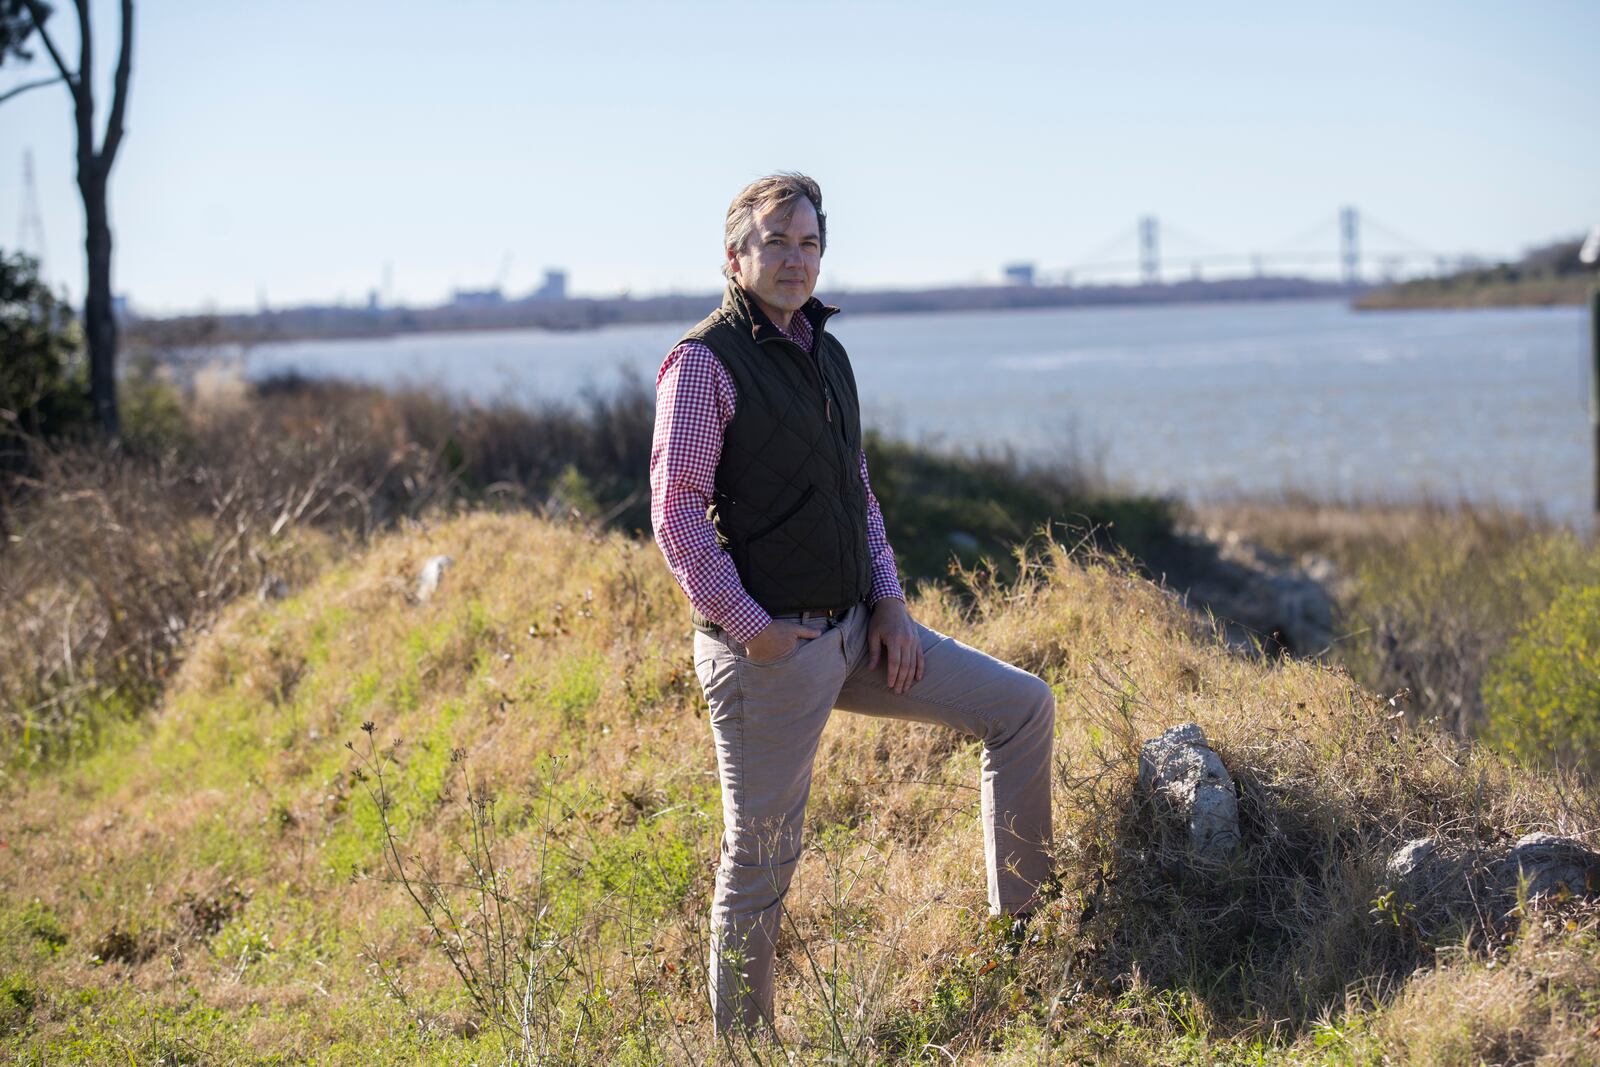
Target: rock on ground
1552, 865
432, 571
1258, 594
1191, 790
1441, 881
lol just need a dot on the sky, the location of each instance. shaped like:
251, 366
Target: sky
296, 152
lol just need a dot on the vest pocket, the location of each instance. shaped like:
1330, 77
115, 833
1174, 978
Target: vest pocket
805, 497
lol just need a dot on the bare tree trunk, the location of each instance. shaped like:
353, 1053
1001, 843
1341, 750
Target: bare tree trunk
94, 173
99, 316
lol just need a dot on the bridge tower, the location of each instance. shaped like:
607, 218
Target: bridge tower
1350, 244
1149, 250
30, 229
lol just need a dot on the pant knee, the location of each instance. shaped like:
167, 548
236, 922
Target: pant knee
1035, 709
1029, 714
1044, 703
746, 890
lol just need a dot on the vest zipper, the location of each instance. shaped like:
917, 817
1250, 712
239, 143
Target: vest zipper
816, 361
813, 362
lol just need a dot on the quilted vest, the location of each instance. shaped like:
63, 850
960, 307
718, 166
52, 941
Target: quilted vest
788, 505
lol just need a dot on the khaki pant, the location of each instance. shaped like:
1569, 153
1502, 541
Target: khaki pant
767, 719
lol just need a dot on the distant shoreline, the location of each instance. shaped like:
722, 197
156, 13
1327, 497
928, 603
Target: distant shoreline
586, 313
1452, 293
590, 313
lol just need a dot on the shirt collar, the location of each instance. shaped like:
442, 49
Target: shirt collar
801, 328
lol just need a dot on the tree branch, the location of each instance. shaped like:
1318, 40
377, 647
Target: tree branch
119, 98
40, 13
19, 90
84, 95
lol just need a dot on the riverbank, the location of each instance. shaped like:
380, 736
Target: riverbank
232, 487
1454, 293
1547, 276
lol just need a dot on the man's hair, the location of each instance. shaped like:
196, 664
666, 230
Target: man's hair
775, 190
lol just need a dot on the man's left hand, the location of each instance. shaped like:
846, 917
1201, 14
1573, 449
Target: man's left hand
892, 630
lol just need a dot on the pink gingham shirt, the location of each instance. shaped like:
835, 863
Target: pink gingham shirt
694, 403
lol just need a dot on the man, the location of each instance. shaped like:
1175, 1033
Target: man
761, 504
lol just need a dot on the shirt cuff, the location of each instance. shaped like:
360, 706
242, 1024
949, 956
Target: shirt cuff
741, 620
885, 584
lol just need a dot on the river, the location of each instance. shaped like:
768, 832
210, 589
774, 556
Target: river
1202, 401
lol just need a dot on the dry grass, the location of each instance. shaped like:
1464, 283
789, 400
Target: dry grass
1537, 1003
114, 559
229, 843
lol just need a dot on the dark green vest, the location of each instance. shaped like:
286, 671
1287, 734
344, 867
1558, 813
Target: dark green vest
789, 505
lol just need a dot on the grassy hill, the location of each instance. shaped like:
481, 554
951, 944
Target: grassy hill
515, 856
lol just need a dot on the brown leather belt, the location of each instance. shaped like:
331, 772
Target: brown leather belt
816, 613
703, 623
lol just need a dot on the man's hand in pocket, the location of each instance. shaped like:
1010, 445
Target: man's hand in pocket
778, 640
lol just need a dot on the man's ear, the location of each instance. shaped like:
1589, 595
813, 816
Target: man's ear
733, 262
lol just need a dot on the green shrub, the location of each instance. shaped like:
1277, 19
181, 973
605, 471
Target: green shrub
152, 413
1431, 610
1542, 695
938, 505
44, 375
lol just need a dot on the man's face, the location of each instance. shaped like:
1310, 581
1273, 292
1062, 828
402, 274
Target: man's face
778, 265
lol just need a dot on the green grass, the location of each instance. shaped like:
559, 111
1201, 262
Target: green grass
575, 687
994, 503
1430, 594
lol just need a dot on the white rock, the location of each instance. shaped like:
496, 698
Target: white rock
1190, 787
432, 571
1411, 859
1443, 879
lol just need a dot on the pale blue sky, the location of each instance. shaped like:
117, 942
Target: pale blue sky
294, 148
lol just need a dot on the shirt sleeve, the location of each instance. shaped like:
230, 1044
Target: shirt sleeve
885, 581
694, 404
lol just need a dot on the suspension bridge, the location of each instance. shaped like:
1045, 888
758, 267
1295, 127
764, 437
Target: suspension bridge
1350, 245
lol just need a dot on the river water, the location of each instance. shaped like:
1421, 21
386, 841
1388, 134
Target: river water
1201, 401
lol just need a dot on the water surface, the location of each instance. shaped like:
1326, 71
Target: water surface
1196, 400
